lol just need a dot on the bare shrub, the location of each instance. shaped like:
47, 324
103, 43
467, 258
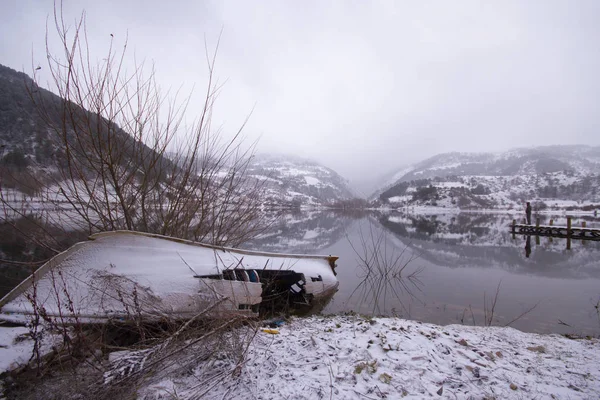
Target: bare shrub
209, 346
126, 160
213, 350
201, 352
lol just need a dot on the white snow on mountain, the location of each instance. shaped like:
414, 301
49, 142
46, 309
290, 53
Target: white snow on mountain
546, 175
293, 181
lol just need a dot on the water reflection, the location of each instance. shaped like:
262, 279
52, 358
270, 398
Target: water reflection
462, 259
385, 273
305, 232
20, 255
457, 259
485, 241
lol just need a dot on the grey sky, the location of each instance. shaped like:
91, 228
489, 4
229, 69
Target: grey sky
360, 86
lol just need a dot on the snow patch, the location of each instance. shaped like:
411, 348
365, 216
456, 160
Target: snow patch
312, 181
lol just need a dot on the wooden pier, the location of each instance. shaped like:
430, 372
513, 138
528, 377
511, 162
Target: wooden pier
567, 232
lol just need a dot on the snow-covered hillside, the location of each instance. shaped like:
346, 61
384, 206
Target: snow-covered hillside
292, 181
32, 157
546, 175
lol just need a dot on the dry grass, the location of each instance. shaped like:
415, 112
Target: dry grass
384, 273
490, 311
115, 360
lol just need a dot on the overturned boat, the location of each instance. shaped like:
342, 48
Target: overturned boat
125, 275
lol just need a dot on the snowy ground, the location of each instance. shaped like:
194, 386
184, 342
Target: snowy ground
13, 350
349, 357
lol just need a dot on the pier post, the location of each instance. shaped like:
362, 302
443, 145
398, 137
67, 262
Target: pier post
513, 229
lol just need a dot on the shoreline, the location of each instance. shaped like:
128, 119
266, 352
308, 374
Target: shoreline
357, 357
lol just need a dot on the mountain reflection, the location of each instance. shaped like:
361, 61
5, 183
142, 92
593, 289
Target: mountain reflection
457, 259
484, 240
304, 232
448, 240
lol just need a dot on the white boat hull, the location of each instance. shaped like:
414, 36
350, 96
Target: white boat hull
127, 275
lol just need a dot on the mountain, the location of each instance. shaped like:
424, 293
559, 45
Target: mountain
293, 181
32, 153
547, 175
24, 138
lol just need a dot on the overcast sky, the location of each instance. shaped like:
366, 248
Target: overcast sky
361, 86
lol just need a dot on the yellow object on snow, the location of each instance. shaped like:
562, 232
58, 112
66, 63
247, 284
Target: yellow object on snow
271, 331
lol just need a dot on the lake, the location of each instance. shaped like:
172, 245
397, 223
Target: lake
451, 268
443, 269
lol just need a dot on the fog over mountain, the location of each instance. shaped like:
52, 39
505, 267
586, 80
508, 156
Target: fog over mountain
455, 180
30, 154
360, 87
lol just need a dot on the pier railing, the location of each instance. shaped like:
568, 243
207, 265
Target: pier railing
567, 231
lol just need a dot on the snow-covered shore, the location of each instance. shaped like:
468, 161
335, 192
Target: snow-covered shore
351, 357
517, 210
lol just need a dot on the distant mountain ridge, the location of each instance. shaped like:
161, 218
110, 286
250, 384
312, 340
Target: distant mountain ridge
545, 159
498, 179
294, 181
30, 155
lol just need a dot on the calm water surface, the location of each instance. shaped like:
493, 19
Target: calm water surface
454, 266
